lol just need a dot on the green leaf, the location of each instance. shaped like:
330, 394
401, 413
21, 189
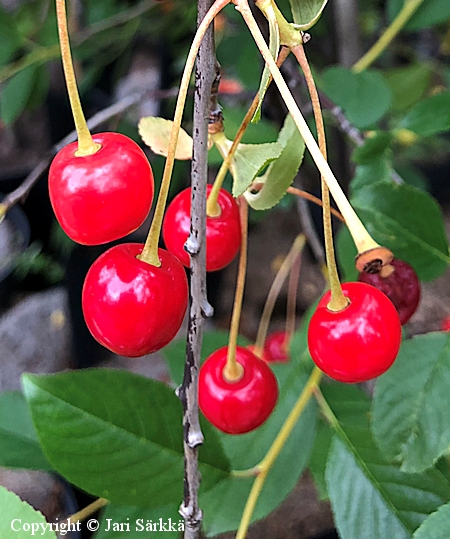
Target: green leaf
223, 505
428, 14
413, 176
19, 446
306, 12
376, 171
117, 435
17, 515
408, 84
274, 47
16, 94
10, 39
411, 423
136, 522
364, 97
371, 497
249, 160
282, 171
98, 11
41, 87
430, 116
175, 352
373, 149
409, 222
436, 526
319, 456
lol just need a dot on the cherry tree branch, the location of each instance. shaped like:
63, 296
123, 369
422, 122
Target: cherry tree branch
199, 306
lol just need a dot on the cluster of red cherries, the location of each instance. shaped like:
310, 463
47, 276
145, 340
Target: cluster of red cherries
134, 308
131, 307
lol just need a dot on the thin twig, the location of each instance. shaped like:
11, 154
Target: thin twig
275, 289
199, 307
300, 193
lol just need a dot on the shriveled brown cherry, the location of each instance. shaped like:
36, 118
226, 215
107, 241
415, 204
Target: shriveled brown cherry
402, 287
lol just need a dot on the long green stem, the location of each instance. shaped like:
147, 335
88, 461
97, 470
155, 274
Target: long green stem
233, 370
338, 300
275, 449
150, 252
361, 237
407, 11
87, 511
86, 145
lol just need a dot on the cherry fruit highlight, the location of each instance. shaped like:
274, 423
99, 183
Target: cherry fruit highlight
104, 196
361, 341
131, 307
240, 406
223, 233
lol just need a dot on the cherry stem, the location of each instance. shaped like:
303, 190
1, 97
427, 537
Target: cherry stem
291, 310
283, 435
274, 291
86, 144
407, 11
361, 237
212, 206
308, 196
150, 251
233, 370
338, 300
87, 511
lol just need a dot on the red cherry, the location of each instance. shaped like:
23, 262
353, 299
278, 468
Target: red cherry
402, 287
361, 341
131, 307
276, 349
241, 406
230, 86
445, 325
101, 197
223, 233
